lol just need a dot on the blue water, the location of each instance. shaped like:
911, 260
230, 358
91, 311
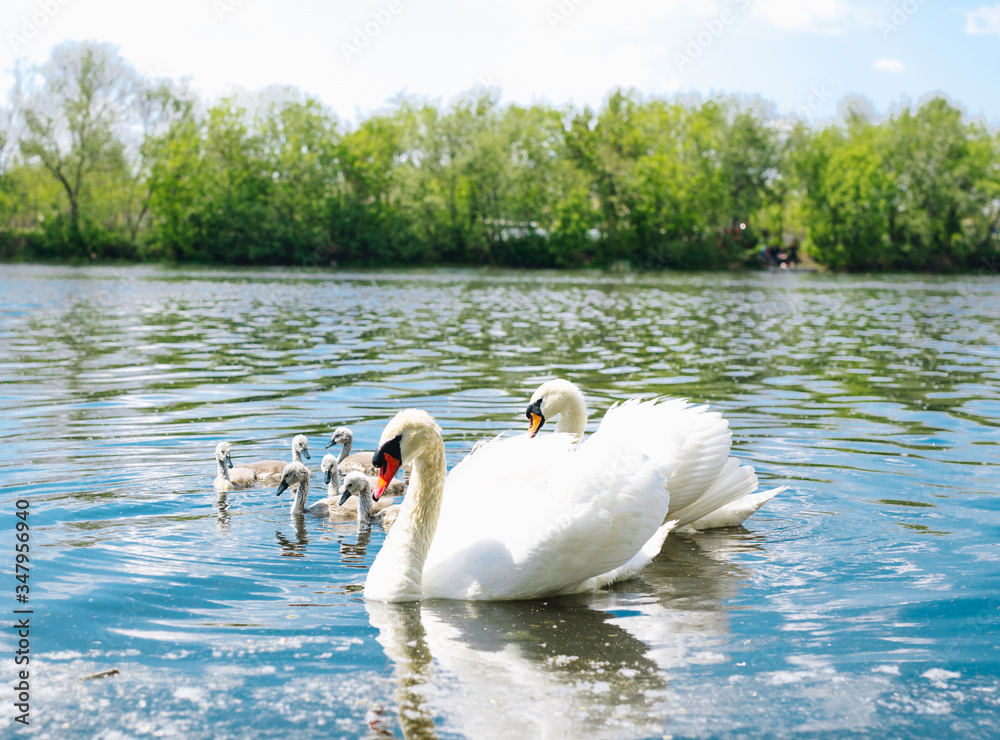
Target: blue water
864, 600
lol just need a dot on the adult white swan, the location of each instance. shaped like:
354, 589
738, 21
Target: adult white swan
520, 519
708, 488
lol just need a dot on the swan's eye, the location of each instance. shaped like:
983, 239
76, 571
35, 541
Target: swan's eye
390, 449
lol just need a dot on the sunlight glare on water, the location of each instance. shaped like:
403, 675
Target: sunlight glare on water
862, 600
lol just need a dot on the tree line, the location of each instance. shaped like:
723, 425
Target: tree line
99, 162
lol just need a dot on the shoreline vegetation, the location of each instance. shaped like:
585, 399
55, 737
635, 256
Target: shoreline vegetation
100, 164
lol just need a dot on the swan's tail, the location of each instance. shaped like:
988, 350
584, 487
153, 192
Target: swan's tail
691, 446
733, 483
735, 512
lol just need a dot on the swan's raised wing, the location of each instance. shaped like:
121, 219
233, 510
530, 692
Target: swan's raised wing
512, 459
542, 518
691, 441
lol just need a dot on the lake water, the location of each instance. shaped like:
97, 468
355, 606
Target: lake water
865, 599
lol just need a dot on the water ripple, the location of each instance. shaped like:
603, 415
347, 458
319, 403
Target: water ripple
864, 599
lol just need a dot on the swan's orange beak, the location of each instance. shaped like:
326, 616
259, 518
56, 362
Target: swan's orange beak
385, 473
535, 417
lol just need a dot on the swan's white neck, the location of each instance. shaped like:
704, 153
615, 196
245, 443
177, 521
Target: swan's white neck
397, 573
345, 449
299, 503
297, 455
333, 487
364, 506
573, 415
223, 470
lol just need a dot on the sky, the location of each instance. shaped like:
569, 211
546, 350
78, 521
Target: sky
357, 56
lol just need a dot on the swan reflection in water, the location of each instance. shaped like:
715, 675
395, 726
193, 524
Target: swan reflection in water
222, 512
353, 554
590, 665
294, 548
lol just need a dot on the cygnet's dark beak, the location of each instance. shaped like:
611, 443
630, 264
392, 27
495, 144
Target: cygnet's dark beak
282, 486
229, 461
327, 476
305, 453
344, 496
330, 444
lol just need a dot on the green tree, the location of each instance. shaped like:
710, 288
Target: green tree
300, 145
943, 167
86, 94
365, 215
916, 191
176, 189
236, 219
861, 198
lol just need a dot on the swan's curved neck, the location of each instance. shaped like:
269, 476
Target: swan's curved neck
397, 573
297, 455
223, 470
573, 416
345, 449
333, 487
299, 504
364, 506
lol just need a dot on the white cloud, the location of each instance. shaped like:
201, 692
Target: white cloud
983, 20
889, 65
824, 16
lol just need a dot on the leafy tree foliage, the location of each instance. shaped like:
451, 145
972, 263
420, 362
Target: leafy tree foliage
918, 191
98, 162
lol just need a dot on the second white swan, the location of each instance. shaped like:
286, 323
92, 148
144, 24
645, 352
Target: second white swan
708, 488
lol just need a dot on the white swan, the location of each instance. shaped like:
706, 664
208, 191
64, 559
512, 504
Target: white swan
228, 477
483, 442
596, 517
360, 461
479, 445
271, 470
708, 489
